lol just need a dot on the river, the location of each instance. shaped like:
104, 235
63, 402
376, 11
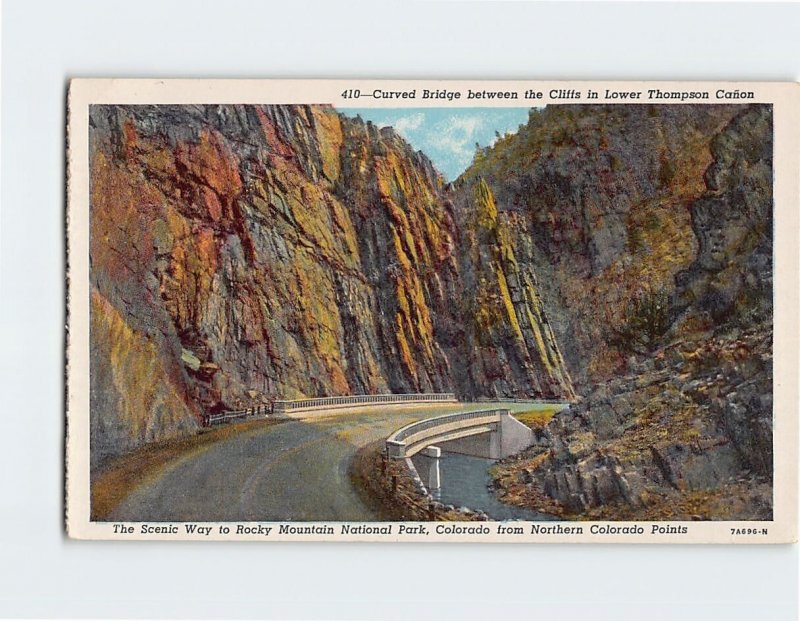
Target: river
465, 482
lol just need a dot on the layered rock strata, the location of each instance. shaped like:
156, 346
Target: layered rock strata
241, 254
687, 432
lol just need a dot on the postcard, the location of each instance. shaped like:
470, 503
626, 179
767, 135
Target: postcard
428, 311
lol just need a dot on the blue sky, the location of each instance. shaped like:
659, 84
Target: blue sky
446, 135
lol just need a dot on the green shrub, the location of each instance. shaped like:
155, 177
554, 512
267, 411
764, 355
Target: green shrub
644, 323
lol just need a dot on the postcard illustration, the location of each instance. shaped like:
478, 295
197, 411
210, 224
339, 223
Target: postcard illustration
432, 311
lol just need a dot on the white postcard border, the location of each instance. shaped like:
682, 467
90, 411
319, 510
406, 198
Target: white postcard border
786, 125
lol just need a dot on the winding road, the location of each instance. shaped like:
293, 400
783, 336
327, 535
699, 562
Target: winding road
294, 471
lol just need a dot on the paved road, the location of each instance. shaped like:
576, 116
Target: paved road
296, 470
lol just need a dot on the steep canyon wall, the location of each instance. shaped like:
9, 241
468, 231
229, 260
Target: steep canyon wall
241, 254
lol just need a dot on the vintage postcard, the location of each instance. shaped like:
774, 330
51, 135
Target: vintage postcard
332, 310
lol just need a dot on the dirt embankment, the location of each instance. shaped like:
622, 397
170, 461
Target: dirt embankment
387, 486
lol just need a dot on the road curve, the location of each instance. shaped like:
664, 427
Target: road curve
295, 471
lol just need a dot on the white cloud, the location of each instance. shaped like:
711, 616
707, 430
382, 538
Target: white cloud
404, 124
466, 124
458, 145
456, 136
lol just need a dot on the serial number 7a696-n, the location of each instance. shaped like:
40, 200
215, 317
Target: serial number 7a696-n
749, 531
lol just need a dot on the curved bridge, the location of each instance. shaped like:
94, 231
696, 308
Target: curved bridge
327, 403
485, 433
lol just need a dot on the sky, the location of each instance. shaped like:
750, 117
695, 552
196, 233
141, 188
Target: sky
446, 135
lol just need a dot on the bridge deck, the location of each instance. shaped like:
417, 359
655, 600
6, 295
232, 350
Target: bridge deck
412, 438
328, 403
457, 434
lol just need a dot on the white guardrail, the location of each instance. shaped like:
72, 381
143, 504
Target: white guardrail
318, 403
396, 443
530, 400
224, 417
280, 407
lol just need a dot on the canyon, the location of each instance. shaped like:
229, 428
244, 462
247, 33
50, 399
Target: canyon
242, 254
617, 256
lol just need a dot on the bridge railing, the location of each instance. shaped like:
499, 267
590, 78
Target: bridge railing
283, 406
355, 400
224, 417
531, 400
395, 443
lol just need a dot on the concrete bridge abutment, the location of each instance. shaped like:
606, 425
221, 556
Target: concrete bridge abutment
428, 468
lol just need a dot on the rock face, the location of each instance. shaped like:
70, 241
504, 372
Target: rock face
508, 326
731, 278
687, 432
595, 200
241, 254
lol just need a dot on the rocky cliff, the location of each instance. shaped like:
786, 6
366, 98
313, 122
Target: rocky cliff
685, 432
241, 254
595, 199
